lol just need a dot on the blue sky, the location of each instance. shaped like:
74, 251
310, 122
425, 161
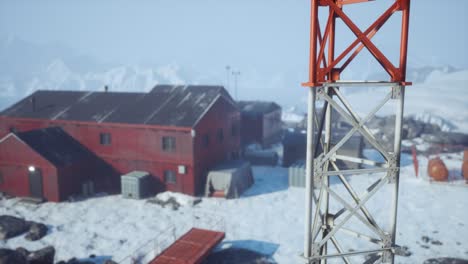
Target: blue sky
215, 32
267, 40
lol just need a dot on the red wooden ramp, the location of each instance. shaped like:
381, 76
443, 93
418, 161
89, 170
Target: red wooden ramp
191, 248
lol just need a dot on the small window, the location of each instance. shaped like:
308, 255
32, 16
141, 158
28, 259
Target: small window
105, 138
1, 178
170, 176
234, 131
206, 140
168, 144
220, 135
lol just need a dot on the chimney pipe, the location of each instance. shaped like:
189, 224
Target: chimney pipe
106, 88
33, 103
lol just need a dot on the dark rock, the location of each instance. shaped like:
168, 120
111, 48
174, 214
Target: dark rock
11, 226
36, 231
236, 256
73, 261
23, 251
8, 256
42, 256
446, 261
426, 239
436, 242
171, 202
403, 251
110, 261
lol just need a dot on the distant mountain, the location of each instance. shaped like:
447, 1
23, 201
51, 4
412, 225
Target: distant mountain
417, 74
27, 67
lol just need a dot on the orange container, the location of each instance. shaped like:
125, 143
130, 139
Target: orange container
437, 170
465, 155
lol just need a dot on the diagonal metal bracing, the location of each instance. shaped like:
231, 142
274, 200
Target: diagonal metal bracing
360, 161
360, 235
356, 126
339, 249
348, 207
355, 196
315, 227
366, 197
348, 107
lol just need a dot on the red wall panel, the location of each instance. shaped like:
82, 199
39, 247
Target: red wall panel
222, 115
15, 158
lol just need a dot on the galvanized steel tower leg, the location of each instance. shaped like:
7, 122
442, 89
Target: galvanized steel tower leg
325, 181
309, 173
399, 95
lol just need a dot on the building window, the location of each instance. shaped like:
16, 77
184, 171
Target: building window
105, 138
206, 140
220, 135
168, 144
1, 178
234, 131
170, 176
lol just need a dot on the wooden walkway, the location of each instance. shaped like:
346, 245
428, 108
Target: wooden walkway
191, 248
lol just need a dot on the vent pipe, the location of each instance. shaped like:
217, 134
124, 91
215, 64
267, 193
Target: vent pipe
33, 103
106, 88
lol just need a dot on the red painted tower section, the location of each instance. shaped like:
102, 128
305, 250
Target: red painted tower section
326, 66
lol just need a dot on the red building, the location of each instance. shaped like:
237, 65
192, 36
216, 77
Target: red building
176, 133
49, 164
260, 122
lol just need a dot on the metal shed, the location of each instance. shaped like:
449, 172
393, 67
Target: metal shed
229, 179
136, 185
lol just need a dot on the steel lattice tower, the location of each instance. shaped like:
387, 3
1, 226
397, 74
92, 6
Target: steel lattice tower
323, 222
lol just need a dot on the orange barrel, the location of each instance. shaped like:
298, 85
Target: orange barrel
465, 155
437, 170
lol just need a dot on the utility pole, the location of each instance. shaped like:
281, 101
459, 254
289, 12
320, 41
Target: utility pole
228, 73
236, 76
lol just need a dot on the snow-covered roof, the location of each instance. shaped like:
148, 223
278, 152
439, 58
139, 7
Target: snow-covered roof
165, 105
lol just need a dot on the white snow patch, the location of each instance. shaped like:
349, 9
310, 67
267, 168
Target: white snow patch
269, 218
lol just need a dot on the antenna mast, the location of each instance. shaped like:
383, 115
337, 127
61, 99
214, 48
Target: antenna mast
330, 211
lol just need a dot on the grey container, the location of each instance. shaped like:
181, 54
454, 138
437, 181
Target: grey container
136, 185
296, 175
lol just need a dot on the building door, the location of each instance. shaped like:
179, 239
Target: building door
35, 183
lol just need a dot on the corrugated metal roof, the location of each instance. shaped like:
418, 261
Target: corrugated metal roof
193, 247
257, 107
164, 105
55, 145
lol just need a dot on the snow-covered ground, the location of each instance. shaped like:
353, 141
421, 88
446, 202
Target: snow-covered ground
267, 218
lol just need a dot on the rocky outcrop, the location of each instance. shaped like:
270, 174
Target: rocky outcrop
11, 226
36, 231
42, 256
8, 256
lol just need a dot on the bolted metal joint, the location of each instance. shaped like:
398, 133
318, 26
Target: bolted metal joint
320, 92
396, 92
387, 243
392, 169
